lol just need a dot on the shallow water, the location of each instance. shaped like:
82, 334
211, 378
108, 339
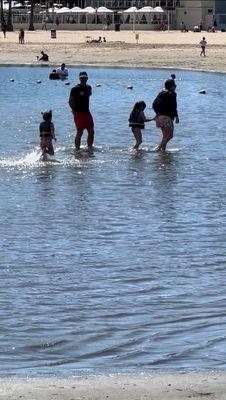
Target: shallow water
112, 261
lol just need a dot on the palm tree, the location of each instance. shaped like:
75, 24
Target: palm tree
31, 24
2, 13
9, 19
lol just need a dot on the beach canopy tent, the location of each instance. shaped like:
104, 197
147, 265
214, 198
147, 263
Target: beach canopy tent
77, 10
128, 13
130, 10
104, 10
6, 4
91, 15
146, 9
89, 10
62, 10
158, 10
18, 5
104, 16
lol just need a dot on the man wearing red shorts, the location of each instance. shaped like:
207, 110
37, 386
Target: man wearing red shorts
79, 103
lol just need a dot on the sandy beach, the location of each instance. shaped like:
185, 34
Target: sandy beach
174, 50
193, 386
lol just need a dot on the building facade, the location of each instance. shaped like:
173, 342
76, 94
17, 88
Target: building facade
195, 13
220, 13
191, 12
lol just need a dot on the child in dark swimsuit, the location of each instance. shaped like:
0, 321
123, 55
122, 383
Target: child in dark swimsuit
137, 120
47, 134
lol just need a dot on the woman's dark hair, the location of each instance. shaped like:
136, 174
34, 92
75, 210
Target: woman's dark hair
169, 84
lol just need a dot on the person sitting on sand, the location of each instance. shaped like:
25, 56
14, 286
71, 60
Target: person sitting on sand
54, 75
137, 120
62, 71
44, 57
99, 40
47, 134
165, 107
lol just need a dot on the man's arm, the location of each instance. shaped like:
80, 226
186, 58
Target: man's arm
72, 101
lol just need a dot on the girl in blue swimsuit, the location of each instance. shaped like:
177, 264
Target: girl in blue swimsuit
137, 120
47, 134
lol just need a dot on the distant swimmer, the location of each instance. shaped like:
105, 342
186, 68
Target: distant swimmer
165, 107
137, 120
44, 57
203, 44
47, 134
54, 75
62, 71
79, 103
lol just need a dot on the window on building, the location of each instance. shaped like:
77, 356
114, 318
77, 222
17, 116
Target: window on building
222, 19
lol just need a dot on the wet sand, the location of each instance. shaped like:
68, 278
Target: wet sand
174, 50
193, 386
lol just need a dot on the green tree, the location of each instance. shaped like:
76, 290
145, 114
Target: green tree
31, 23
2, 13
9, 18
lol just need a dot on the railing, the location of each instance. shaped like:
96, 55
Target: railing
124, 4
93, 20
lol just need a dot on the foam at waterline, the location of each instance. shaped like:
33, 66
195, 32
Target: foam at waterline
71, 156
28, 160
63, 156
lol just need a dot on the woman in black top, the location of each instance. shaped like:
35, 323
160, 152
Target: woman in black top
165, 107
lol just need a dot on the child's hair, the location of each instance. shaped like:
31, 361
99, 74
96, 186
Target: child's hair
138, 105
47, 115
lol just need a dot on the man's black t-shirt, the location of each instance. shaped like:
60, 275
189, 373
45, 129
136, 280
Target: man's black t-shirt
81, 95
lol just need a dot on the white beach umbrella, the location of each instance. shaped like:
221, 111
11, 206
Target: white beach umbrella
62, 10
104, 10
158, 10
89, 10
147, 9
130, 10
78, 10
18, 5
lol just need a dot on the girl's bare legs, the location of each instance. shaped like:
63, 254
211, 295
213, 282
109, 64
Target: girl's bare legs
138, 136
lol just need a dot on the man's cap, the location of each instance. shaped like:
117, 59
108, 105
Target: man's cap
83, 74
